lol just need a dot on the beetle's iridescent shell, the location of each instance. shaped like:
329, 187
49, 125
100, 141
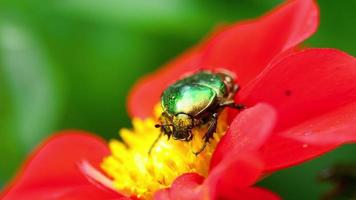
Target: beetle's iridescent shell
193, 94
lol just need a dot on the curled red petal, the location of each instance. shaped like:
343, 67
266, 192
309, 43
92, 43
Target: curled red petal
235, 171
162, 194
53, 170
187, 187
247, 132
309, 90
230, 180
244, 48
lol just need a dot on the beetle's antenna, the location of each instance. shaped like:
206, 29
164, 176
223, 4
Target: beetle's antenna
156, 140
159, 136
162, 125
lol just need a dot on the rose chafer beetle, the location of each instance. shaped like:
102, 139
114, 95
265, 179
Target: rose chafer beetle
193, 101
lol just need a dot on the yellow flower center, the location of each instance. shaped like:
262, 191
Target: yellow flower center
136, 173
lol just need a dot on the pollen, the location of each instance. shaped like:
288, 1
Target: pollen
135, 172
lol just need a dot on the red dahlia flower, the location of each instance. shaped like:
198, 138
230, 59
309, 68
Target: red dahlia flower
301, 104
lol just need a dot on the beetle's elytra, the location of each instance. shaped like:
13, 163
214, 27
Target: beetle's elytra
193, 101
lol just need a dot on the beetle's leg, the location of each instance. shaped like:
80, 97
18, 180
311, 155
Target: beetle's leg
190, 137
209, 134
232, 104
212, 127
235, 89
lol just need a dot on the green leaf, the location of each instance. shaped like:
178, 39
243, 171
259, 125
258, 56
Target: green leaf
30, 100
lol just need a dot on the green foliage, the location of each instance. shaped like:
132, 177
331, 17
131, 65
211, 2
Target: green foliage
32, 104
70, 64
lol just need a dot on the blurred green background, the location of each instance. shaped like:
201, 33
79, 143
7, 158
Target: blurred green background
70, 64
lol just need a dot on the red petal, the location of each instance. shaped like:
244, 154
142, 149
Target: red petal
250, 194
245, 48
233, 172
187, 187
311, 138
334, 128
247, 132
302, 87
280, 152
147, 91
229, 180
52, 171
233, 176
162, 194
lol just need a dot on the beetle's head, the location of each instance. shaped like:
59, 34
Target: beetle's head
182, 127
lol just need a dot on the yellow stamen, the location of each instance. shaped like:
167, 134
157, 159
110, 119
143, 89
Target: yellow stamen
136, 173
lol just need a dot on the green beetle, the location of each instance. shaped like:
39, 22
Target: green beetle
196, 100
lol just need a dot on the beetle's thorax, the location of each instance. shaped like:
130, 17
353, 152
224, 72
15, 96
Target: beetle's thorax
182, 126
